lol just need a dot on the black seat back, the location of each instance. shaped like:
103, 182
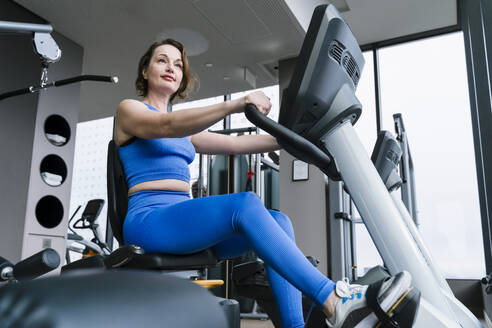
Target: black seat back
117, 192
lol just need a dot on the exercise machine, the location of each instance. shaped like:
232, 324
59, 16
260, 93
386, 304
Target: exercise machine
49, 118
95, 246
29, 268
49, 52
406, 170
315, 125
109, 299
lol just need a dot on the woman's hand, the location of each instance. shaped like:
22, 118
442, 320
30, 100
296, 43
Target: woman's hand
260, 100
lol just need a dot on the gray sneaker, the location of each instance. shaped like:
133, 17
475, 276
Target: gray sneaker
352, 310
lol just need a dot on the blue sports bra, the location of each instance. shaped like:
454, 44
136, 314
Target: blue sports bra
156, 159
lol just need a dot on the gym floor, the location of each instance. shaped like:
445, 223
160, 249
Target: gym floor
255, 323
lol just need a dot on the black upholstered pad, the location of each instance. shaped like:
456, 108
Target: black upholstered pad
198, 260
109, 299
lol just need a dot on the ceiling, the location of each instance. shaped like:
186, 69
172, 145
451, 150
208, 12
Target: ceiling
231, 35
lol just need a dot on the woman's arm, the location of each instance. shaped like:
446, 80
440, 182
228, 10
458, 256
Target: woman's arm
214, 143
135, 119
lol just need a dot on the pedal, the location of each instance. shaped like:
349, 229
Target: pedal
405, 309
403, 312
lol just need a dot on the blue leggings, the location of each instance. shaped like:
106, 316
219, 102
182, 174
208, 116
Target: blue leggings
171, 222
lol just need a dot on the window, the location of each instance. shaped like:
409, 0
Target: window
426, 81
89, 171
367, 254
366, 125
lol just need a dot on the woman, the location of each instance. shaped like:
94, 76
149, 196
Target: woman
156, 148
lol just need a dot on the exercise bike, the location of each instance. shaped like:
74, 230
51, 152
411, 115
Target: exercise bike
92, 247
317, 112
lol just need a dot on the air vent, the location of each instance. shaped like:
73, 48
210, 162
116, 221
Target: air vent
343, 57
349, 64
336, 51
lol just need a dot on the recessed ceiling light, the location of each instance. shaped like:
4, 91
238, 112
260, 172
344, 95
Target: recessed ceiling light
209, 65
226, 78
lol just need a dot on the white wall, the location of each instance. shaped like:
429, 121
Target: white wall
89, 171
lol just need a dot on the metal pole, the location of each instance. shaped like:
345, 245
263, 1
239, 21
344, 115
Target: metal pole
227, 119
380, 214
200, 176
336, 249
258, 171
377, 90
8, 26
477, 33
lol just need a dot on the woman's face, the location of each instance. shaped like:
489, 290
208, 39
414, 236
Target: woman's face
165, 70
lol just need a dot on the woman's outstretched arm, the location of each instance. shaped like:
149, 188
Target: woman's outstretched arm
134, 119
214, 143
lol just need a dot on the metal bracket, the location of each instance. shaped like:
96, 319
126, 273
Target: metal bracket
343, 216
46, 47
347, 217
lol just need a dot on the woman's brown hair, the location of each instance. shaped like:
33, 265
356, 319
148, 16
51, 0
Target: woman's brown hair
187, 82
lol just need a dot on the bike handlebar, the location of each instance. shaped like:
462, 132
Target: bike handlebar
292, 142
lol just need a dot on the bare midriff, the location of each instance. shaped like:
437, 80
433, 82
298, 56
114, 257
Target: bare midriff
165, 184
